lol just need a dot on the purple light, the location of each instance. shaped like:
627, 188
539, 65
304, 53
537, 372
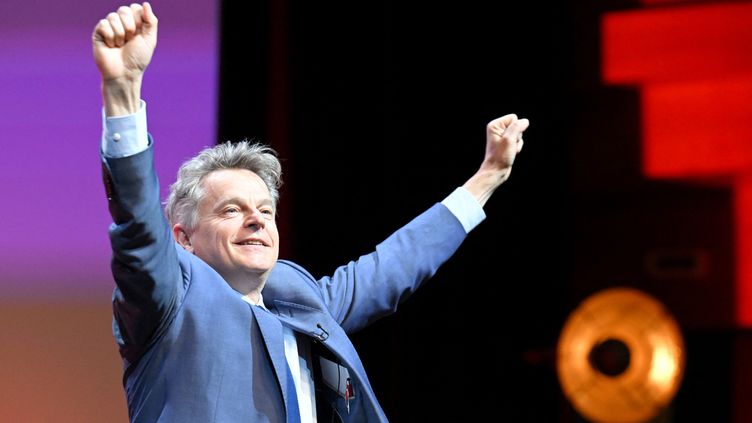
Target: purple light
54, 219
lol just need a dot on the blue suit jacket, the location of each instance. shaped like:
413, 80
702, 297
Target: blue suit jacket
194, 351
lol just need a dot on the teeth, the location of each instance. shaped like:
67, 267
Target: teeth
252, 243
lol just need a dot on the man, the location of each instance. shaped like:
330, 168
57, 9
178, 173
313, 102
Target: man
211, 325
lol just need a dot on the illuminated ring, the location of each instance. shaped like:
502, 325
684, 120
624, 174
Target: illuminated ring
620, 357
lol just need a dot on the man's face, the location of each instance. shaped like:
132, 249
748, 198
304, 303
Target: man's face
236, 233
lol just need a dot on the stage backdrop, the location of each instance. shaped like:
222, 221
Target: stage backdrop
59, 361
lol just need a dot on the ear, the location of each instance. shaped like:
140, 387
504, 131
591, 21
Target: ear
182, 237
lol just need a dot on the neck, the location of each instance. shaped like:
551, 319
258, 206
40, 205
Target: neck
249, 287
254, 297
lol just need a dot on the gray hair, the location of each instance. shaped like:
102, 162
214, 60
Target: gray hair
186, 193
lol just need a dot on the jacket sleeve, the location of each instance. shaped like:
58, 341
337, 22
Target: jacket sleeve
372, 286
144, 261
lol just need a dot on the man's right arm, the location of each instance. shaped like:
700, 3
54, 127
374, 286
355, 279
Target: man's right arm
145, 264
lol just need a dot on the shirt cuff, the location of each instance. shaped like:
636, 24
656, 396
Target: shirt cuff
124, 136
465, 208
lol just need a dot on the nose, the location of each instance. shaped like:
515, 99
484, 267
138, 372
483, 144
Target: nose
255, 219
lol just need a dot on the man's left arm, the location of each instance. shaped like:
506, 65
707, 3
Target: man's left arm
374, 285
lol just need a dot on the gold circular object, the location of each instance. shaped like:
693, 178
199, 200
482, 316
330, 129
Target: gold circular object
620, 357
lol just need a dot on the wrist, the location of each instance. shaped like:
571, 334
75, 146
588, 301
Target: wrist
485, 181
121, 96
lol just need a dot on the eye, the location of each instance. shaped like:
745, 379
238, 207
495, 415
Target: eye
232, 210
267, 212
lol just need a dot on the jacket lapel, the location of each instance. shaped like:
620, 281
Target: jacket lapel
271, 330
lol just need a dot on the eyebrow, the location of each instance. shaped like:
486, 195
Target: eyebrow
238, 200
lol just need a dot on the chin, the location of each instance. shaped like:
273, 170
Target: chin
258, 269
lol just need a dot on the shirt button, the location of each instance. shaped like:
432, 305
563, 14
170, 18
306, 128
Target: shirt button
116, 136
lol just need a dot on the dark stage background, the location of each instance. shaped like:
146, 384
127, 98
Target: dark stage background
378, 109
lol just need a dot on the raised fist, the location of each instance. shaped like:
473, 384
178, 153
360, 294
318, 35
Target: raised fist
124, 42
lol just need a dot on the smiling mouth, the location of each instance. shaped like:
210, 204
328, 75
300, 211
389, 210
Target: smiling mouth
251, 242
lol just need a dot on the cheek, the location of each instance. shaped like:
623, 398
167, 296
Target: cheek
273, 232
210, 241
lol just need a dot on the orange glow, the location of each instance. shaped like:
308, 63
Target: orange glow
59, 364
656, 356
